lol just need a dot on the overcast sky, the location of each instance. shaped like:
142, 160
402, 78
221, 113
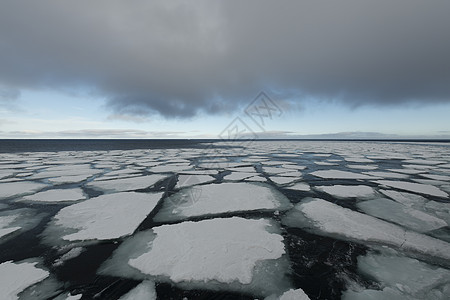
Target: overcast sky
169, 69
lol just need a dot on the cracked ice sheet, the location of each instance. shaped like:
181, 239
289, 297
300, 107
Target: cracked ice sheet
105, 217
126, 184
414, 187
401, 278
238, 176
214, 199
400, 214
337, 174
16, 277
233, 254
14, 189
328, 219
348, 191
58, 195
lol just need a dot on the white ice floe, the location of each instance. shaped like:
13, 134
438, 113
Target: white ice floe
387, 174
425, 161
325, 163
407, 171
414, 187
281, 180
234, 254
16, 277
363, 167
437, 177
105, 217
199, 172
276, 162
348, 191
5, 224
222, 165
71, 254
292, 294
170, 168
126, 184
401, 278
59, 195
405, 198
221, 198
68, 179
143, 291
328, 219
274, 170
301, 186
337, 174
400, 214
190, 180
242, 169
291, 174
358, 159
256, 179
295, 167
238, 176
14, 189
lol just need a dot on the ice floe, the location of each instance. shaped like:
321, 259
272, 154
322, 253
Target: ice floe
414, 187
221, 198
143, 291
16, 277
58, 195
126, 184
190, 180
328, 219
238, 176
292, 294
401, 278
105, 217
386, 174
348, 191
16, 221
400, 214
14, 189
301, 186
337, 174
281, 180
233, 254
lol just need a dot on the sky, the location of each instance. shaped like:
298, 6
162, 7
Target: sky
224, 69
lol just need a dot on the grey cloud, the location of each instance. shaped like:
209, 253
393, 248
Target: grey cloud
178, 59
93, 133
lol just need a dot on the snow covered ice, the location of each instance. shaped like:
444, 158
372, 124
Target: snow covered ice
226, 220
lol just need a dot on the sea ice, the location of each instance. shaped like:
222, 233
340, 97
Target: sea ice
14, 189
238, 176
17, 221
400, 214
292, 294
16, 277
221, 198
143, 291
387, 174
234, 254
401, 278
328, 219
105, 217
337, 174
59, 195
301, 186
170, 168
348, 191
281, 180
190, 180
414, 187
126, 184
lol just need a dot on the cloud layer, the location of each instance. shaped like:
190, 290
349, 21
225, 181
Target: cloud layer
178, 59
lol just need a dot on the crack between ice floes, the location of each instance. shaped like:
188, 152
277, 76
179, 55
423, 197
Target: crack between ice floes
404, 239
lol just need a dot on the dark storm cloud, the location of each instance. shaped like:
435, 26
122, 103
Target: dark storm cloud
177, 59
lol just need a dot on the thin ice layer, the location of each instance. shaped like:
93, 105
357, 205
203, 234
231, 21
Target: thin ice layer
144, 290
337, 174
106, 217
16, 277
221, 198
401, 278
328, 219
400, 214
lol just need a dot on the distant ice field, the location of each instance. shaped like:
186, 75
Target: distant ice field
225, 220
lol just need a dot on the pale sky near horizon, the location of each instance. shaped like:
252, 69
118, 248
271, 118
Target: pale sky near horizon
109, 69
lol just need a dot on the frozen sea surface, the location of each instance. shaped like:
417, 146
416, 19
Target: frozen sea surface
225, 220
